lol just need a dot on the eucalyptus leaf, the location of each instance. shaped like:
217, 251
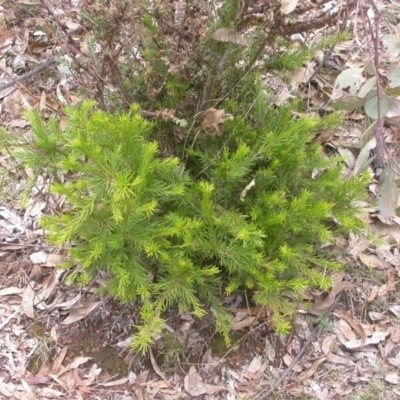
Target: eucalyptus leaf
392, 43
364, 160
370, 70
348, 82
372, 103
367, 134
387, 193
348, 103
369, 84
394, 77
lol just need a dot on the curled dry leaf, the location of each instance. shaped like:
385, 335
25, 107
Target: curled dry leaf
353, 323
328, 343
321, 307
311, 371
288, 359
386, 254
245, 317
49, 285
213, 121
246, 189
243, 323
345, 329
375, 338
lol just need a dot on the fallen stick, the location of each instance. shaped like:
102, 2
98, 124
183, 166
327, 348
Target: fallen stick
27, 75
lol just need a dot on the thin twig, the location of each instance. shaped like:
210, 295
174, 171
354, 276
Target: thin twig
28, 75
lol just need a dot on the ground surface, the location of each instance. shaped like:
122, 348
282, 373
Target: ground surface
59, 341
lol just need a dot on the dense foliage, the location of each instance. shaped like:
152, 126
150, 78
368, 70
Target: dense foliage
188, 233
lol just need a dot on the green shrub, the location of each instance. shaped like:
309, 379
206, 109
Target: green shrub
170, 233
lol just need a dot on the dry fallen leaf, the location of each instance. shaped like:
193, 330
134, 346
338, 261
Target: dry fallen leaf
213, 121
370, 260
118, 382
269, 350
246, 189
374, 339
395, 310
320, 307
156, 368
49, 285
288, 359
345, 329
288, 6
395, 335
36, 272
311, 371
328, 343
392, 378
383, 290
246, 316
353, 323
57, 363
73, 365
227, 36
53, 334
238, 325
392, 279
255, 364
335, 359
39, 257
28, 297
374, 294
80, 311
10, 291
54, 260
193, 383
